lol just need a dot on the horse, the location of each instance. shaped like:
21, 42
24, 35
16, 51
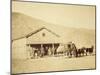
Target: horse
89, 50
81, 51
85, 51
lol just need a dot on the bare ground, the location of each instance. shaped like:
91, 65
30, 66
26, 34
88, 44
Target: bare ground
53, 64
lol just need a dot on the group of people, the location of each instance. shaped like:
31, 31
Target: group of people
69, 50
36, 52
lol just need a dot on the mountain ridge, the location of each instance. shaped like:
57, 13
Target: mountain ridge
23, 24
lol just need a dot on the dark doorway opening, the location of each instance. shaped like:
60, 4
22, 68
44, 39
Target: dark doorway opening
46, 47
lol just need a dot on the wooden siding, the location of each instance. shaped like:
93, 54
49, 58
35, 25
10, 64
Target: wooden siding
19, 49
41, 37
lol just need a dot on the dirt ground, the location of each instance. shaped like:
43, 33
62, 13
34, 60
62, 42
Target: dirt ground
53, 64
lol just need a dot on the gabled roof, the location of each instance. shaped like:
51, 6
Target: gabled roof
36, 31
40, 30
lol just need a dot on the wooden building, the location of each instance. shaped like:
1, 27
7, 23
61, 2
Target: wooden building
40, 38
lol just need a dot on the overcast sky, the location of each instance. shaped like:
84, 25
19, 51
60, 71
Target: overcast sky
66, 15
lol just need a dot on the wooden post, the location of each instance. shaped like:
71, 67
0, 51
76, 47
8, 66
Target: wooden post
53, 49
41, 46
42, 51
28, 51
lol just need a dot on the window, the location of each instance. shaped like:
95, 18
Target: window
43, 34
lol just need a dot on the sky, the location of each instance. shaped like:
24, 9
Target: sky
77, 16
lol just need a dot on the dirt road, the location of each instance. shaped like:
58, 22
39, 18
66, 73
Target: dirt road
53, 64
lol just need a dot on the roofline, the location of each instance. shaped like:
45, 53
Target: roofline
33, 32
40, 30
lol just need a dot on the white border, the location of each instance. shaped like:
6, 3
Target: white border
5, 37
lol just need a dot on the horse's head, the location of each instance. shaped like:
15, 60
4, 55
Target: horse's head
92, 46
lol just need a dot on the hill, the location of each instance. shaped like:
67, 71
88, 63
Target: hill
23, 24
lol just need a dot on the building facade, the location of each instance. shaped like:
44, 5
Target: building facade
42, 40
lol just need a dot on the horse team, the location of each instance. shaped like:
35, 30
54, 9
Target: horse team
72, 51
68, 50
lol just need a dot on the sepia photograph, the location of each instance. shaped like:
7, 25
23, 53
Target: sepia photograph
52, 37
